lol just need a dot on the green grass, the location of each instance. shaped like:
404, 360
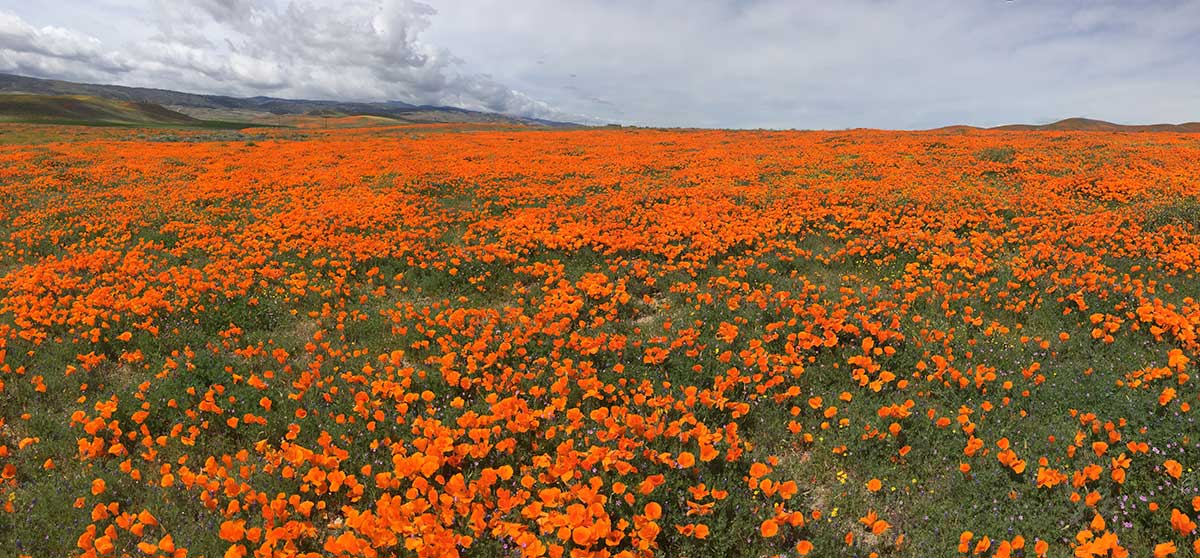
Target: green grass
81, 110
924, 495
996, 154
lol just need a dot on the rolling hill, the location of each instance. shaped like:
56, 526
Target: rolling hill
258, 109
1083, 125
85, 109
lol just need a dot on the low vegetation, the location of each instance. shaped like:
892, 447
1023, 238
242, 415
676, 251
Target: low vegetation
94, 111
428, 342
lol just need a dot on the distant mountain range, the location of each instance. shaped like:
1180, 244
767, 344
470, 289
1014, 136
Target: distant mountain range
257, 110
1086, 125
91, 111
30, 99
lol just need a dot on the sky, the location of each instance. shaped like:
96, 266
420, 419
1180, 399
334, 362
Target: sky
689, 63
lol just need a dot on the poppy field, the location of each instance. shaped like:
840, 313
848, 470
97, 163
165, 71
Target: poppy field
482, 341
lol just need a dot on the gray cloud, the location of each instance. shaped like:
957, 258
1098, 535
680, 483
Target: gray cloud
355, 50
54, 50
718, 63
786, 63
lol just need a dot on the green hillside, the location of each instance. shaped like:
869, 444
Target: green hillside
93, 111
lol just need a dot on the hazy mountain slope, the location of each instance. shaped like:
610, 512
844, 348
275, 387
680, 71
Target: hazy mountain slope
238, 108
1091, 125
85, 109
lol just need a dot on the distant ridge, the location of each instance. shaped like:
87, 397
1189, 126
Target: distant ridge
1082, 125
222, 107
89, 110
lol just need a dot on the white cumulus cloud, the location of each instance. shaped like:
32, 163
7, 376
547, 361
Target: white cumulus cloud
361, 50
709, 63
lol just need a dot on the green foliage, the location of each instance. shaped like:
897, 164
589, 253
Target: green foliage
1003, 155
1183, 212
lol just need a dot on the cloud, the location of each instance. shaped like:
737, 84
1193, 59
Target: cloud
785, 63
712, 63
366, 50
54, 51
